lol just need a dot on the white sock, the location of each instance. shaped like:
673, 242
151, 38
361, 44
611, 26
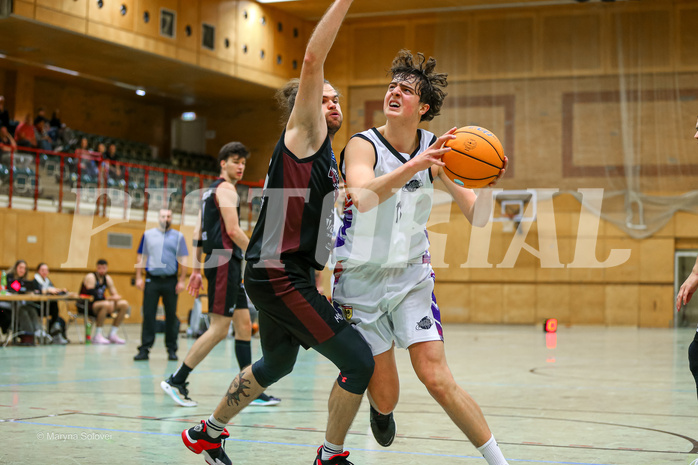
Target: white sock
113, 331
214, 428
329, 449
99, 331
490, 450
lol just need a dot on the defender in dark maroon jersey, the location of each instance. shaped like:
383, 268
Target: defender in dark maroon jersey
292, 238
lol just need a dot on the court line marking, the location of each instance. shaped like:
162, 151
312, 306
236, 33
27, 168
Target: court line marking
313, 446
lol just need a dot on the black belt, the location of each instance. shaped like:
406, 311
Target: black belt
152, 276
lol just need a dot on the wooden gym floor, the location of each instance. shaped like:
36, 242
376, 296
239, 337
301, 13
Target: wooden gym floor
584, 396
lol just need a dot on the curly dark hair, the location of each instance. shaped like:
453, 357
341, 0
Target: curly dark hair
286, 97
429, 84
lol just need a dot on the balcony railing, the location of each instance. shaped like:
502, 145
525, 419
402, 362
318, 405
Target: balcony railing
85, 182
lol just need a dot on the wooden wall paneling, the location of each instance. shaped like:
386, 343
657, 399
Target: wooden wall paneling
552, 301
75, 7
453, 300
657, 260
152, 8
188, 21
254, 37
372, 62
52, 4
24, 8
565, 251
24, 94
628, 272
686, 225
449, 41
61, 19
56, 238
110, 14
641, 39
486, 303
289, 44
30, 238
570, 42
656, 309
209, 14
504, 46
519, 306
686, 18
587, 304
622, 305
226, 38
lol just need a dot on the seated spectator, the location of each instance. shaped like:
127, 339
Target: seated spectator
42, 138
96, 284
7, 140
28, 319
43, 285
4, 115
88, 164
110, 156
55, 126
25, 135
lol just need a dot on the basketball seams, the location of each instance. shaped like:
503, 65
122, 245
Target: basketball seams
483, 138
469, 179
476, 158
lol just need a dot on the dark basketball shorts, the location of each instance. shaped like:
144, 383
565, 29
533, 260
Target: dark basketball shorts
283, 293
225, 291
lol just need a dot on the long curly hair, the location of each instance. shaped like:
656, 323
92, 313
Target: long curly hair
429, 83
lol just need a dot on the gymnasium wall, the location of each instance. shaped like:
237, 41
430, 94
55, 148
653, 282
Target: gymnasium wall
71, 247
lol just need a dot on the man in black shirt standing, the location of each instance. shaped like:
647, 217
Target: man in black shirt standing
292, 236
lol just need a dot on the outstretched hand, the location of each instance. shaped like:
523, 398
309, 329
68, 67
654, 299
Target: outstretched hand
686, 291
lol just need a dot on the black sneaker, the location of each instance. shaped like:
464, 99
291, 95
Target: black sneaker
141, 355
198, 441
172, 355
339, 459
178, 392
383, 427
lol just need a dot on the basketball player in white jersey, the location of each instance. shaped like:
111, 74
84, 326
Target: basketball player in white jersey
384, 279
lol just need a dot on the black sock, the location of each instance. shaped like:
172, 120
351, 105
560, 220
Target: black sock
243, 352
180, 376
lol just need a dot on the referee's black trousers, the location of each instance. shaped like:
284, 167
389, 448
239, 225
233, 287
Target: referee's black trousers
156, 287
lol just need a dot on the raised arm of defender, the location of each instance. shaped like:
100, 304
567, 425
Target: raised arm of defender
306, 129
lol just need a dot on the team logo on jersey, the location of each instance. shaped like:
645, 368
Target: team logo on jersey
342, 312
424, 323
413, 185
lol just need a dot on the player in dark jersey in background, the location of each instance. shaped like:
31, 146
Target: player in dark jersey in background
293, 235
219, 236
96, 284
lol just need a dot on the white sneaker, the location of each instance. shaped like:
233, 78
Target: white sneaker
178, 392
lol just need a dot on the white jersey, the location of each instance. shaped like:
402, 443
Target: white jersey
394, 233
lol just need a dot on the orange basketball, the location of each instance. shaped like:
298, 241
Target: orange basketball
475, 159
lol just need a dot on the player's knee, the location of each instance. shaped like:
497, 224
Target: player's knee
356, 370
268, 372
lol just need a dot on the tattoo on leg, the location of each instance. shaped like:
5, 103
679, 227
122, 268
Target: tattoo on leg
237, 389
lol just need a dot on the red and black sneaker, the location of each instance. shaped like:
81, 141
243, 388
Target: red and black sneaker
198, 441
339, 459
